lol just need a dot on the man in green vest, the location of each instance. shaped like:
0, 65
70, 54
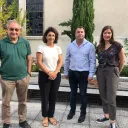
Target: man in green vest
15, 72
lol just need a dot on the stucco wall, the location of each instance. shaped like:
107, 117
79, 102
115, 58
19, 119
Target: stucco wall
114, 13
107, 12
57, 11
35, 41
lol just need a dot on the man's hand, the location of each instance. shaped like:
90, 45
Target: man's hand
66, 76
89, 79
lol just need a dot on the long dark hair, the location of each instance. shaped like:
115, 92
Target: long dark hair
101, 45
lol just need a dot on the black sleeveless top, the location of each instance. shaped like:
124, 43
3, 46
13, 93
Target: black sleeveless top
111, 55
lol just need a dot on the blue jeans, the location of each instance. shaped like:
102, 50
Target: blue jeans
78, 79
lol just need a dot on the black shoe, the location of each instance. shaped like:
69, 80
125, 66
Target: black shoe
81, 118
6, 125
24, 125
70, 115
102, 120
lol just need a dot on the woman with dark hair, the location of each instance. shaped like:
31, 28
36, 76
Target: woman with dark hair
111, 59
49, 59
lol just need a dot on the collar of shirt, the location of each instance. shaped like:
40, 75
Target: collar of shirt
83, 43
9, 41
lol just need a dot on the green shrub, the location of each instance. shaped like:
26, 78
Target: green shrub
126, 46
124, 71
35, 68
62, 69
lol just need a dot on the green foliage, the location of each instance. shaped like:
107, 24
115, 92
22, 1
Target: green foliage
95, 44
67, 24
62, 69
124, 71
35, 68
10, 11
126, 46
66, 32
83, 15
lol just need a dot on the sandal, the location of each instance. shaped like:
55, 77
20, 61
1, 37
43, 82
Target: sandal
52, 121
45, 122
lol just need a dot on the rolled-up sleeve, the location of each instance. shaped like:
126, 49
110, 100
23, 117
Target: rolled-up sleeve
40, 49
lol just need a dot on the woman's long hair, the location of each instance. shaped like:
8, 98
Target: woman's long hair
101, 45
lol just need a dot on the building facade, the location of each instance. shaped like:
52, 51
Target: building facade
45, 13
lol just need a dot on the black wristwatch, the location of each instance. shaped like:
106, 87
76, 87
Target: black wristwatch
29, 74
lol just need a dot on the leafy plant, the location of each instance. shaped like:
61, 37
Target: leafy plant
9, 12
126, 46
83, 15
35, 67
124, 71
62, 69
67, 24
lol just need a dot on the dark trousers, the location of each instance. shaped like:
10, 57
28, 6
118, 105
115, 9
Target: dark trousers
78, 79
48, 91
108, 79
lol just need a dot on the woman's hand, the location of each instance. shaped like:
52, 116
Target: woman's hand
52, 75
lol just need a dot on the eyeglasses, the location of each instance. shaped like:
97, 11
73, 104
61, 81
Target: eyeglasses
12, 29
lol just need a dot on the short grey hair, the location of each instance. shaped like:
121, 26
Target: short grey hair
12, 21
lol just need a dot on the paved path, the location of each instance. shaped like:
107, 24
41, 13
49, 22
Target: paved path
93, 112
